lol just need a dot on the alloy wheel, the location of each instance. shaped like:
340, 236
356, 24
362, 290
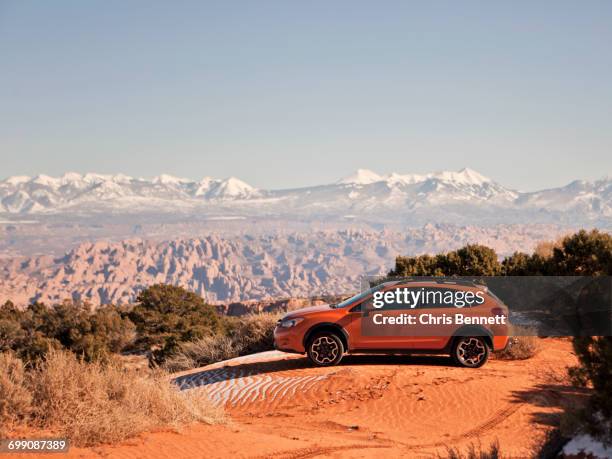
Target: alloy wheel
471, 351
324, 349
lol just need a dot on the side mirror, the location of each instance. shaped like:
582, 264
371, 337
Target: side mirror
362, 308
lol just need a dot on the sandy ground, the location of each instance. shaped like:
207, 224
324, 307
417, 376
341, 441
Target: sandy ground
369, 406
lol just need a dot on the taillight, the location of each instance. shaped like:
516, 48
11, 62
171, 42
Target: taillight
498, 312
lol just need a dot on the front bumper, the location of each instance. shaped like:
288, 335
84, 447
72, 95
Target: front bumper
288, 340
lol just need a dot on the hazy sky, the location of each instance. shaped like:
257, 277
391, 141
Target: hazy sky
289, 93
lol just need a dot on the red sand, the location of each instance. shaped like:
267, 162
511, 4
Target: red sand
369, 406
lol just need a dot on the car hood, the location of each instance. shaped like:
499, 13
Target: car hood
306, 311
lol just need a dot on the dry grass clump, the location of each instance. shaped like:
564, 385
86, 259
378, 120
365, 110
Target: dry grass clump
204, 351
255, 333
525, 344
93, 403
15, 399
247, 335
474, 452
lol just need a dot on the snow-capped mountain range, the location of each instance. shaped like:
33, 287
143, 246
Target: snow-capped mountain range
459, 196
21, 194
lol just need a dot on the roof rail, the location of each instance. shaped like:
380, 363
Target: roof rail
442, 280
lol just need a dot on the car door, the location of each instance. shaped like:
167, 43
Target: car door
433, 333
351, 323
427, 332
364, 334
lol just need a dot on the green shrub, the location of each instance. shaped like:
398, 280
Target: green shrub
163, 317
583, 254
471, 260
595, 370
166, 312
93, 334
580, 254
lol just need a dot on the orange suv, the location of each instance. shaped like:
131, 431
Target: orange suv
325, 333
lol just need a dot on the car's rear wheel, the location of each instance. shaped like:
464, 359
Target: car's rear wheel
470, 351
325, 349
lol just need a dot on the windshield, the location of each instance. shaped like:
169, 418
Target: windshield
358, 297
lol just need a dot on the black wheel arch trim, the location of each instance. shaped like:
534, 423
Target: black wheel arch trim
327, 326
472, 330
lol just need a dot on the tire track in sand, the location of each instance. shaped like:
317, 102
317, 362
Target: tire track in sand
482, 428
314, 451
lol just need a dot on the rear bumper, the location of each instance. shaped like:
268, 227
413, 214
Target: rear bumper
502, 343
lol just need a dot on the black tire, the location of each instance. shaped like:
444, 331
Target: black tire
470, 351
325, 349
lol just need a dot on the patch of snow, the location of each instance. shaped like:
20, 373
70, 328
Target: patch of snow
465, 176
587, 445
361, 177
122, 178
226, 217
45, 180
203, 186
96, 178
230, 188
165, 179
18, 222
70, 177
405, 179
16, 180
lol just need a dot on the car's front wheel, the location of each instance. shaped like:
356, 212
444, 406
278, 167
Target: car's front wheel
325, 349
470, 351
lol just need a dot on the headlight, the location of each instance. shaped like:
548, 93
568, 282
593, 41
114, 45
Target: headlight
288, 323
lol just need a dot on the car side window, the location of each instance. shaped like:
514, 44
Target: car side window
410, 298
362, 306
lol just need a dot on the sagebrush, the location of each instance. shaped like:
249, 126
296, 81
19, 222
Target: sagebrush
524, 344
246, 335
15, 398
473, 452
98, 402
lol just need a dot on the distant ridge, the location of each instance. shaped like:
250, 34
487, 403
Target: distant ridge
225, 269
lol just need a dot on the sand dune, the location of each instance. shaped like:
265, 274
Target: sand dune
369, 406
267, 377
